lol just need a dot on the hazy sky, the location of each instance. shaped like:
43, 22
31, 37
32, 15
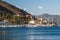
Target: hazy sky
37, 6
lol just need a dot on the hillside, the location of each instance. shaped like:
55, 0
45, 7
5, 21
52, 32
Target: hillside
13, 14
56, 18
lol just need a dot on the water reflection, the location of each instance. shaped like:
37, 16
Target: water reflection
30, 33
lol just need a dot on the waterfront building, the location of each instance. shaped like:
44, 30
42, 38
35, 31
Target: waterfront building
32, 22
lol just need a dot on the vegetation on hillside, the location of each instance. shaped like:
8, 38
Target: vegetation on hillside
13, 19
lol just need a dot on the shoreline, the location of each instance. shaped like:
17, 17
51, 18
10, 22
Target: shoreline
26, 25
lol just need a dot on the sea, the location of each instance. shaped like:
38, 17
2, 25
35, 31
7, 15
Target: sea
32, 33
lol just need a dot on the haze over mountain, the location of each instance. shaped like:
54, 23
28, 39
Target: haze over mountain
56, 18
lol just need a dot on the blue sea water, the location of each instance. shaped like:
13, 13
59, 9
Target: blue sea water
25, 33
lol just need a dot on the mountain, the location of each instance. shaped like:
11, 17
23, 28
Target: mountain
56, 18
13, 14
11, 8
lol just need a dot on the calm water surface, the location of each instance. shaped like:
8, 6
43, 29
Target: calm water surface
24, 33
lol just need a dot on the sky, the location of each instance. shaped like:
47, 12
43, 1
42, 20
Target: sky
37, 7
